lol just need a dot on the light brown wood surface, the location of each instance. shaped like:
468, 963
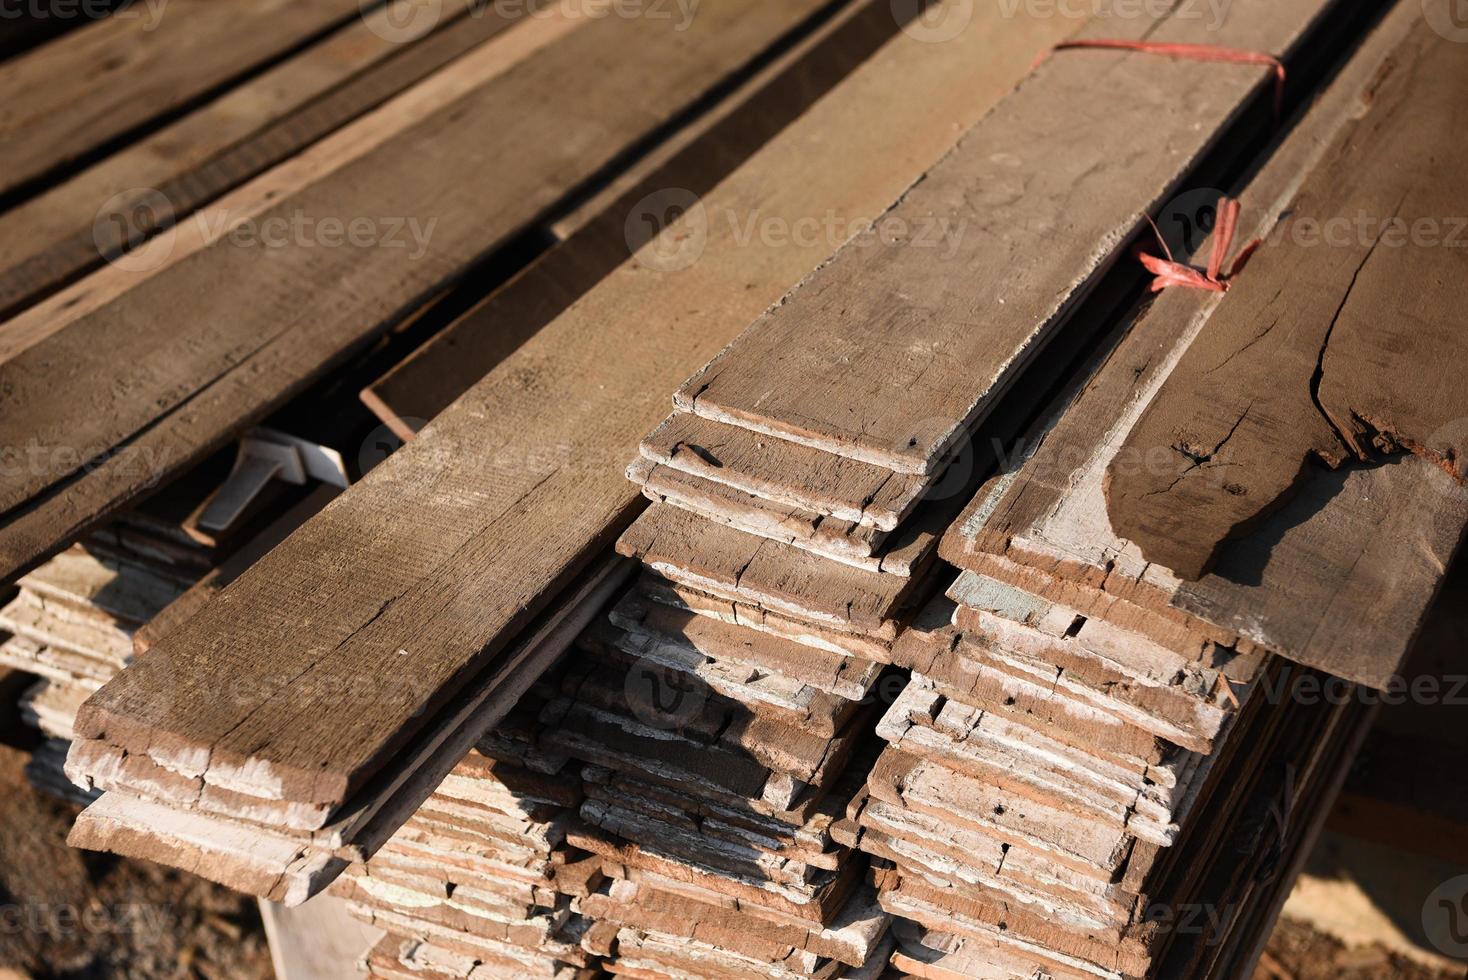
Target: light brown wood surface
893, 351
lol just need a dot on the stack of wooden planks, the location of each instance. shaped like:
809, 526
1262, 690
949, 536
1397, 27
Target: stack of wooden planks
481, 877
71, 625
729, 711
147, 774
479, 598
81, 617
1067, 674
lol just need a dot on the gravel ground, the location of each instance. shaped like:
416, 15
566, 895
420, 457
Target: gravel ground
1297, 952
69, 914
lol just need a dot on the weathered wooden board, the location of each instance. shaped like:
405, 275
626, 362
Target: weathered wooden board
595, 235
98, 83
845, 676
239, 208
893, 351
448, 546
290, 865
759, 571
1325, 581
842, 541
153, 399
756, 618
851, 937
1335, 347
784, 472
59, 235
191, 601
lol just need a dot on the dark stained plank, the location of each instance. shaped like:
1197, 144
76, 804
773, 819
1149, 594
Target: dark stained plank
890, 353
1325, 582
61, 234
450, 545
96, 84
1334, 347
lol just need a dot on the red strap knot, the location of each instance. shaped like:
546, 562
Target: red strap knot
1170, 272
1197, 52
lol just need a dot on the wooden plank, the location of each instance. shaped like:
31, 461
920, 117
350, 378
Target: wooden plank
503, 154
448, 546
595, 234
245, 204
102, 81
1294, 587
290, 866
1330, 350
893, 351
743, 567
784, 472
58, 236
191, 601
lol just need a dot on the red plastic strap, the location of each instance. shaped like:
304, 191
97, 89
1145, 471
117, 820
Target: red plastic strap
1197, 52
1170, 272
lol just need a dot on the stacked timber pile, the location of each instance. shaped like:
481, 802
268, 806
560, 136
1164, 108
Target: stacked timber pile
81, 617
729, 711
71, 625
716, 756
1169, 736
286, 826
798, 502
479, 878
449, 608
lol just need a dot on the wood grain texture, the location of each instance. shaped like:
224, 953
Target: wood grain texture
784, 472
502, 155
224, 839
1332, 349
759, 571
95, 215
455, 540
595, 237
68, 98
160, 253
890, 353
1325, 581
